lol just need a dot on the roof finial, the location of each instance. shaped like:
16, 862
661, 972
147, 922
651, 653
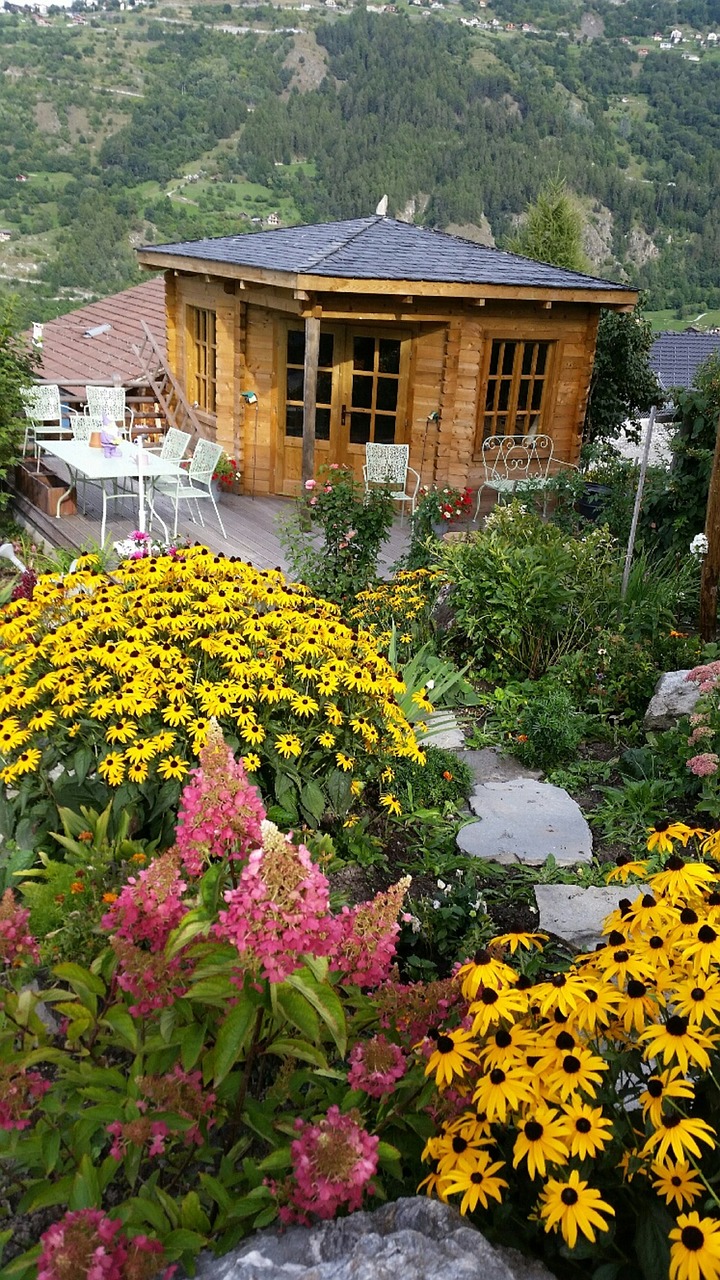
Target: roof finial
382, 208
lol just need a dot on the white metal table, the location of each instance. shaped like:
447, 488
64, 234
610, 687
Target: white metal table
131, 462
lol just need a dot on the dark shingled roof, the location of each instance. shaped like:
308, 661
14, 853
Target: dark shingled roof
675, 356
380, 249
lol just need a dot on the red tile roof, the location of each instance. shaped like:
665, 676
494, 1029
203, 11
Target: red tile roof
72, 359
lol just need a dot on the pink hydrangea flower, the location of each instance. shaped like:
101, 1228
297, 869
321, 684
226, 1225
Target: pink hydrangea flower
704, 765
19, 1091
87, 1245
705, 676
220, 811
150, 905
375, 1066
368, 936
332, 1162
152, 981
17, 946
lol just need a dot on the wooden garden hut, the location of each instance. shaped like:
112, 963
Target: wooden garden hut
374, 329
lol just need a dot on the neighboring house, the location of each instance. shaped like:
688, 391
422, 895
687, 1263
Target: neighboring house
675, 357
97, 342
407, 324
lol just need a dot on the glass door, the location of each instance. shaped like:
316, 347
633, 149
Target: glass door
374, 393
291, 411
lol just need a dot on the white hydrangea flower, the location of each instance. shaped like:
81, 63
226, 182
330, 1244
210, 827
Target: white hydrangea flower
699, 545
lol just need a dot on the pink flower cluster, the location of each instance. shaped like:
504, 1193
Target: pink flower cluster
153, 981
150, 905
220, 812
409, 1011
375, 1066
87, 1245
177, 1093
368, 933
279, 910
703, 766
19, 1091
332, 1164
705, 677
17, 946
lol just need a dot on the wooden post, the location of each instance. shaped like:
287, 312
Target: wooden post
711, 563
312, 353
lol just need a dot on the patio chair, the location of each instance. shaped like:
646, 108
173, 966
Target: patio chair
173, 447
387, 464
512, 460
44, 414
110, 402
191, 485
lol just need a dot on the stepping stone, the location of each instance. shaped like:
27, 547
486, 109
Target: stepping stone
443, 730
525, 821
490, 765
576, 915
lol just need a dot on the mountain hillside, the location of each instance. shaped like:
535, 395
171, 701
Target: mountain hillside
169, 124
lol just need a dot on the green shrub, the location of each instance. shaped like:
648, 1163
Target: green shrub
443, 779
550, 728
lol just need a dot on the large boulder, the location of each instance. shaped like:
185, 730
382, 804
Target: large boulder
674, 697
577, 915
412, 1239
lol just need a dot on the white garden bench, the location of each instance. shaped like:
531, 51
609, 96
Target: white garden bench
512, 460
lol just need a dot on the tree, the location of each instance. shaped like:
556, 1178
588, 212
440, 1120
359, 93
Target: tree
16, 371
553, 229
623, 385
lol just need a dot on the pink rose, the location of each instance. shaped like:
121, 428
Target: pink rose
310, 484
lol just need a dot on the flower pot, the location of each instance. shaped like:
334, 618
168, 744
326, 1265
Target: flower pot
593, 500
441, 527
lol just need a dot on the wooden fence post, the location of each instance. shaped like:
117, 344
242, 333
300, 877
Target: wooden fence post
711, 563
312, 354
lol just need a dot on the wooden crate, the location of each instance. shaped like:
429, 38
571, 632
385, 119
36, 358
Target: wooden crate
44, 489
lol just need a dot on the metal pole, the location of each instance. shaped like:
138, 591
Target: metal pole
255, 434
638, 503
141, 485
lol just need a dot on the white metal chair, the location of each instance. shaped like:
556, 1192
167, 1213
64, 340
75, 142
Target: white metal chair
110, 402
512, 460
44, 414
173, 447
387, 464
191, 485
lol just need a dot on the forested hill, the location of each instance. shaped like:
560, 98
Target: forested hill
132, 128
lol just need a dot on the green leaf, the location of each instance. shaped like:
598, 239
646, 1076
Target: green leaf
190, 927
122, 1025
285, 1047
338, 789
312, 800
184, 1241
296, 1009
80, 979
192, 1215
652, 1245
85, 1192
233, 1036
277, 1161
387, 1152
326, 1002
192, 1042
81, 762
50, 1148
44, 1196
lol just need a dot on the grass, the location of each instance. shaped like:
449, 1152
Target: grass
661, 320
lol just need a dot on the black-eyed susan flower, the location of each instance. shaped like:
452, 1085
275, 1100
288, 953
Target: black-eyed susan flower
680, 879
698, 998
625, 870
661, 838
451, 1055
344, 762
288, 745
695, 1248
588, 1131
542, 1140
484, 968
677, 1182
112, 768
660, 1088
574, 1206
503, 1090
391, 803
251, 762
520, 938
477, 1179
580, 1070
680, 1135
172, 768
495, 1004
677, 1040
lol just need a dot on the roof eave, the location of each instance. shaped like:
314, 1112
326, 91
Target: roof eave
615, 298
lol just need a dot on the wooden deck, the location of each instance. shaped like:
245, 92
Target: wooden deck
251, 526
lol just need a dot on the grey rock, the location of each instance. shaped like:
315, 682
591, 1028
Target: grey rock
443, 731
410, 1239
489, 765
577, 914
526, 821
674, 697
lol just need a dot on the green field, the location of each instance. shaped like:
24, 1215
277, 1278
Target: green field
661, 320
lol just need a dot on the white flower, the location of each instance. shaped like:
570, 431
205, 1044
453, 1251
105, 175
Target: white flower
414, 924
699, 545
442, 885
436, 904
430, 684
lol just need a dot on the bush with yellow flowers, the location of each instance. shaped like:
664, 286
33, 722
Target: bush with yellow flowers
399, 610
580, 1107
108, 683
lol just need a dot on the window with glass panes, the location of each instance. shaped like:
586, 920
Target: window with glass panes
375, 389
295, 384
202, 358
515, 392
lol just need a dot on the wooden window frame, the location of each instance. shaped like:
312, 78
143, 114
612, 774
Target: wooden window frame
201, 323
546, 378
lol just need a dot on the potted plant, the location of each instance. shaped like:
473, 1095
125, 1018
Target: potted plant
441, 509
596, 472
226, 476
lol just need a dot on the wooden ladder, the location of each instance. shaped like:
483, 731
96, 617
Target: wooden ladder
174, 404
